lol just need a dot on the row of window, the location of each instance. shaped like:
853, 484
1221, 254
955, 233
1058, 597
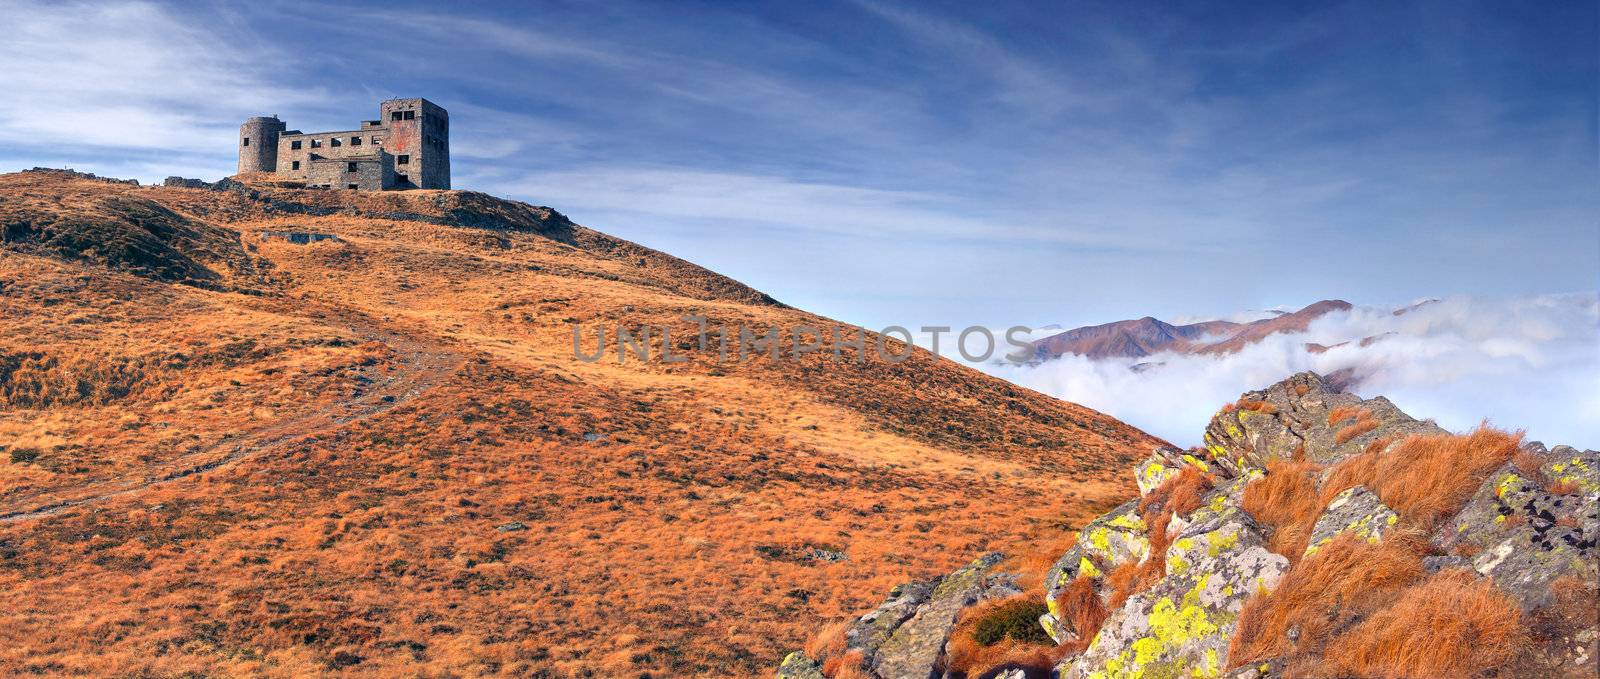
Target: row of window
355, 167
402, 115
295, 144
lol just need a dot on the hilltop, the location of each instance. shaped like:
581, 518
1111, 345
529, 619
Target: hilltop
255, 430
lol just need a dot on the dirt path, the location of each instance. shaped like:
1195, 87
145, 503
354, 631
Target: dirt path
421, 364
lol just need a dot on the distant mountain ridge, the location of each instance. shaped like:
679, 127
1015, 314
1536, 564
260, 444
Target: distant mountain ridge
1149, 335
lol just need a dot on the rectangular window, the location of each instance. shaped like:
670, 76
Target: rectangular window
246, 141
295, 144
333, 142
377, 141
294, 164
355, 141
354, 186
402, 160
316, 143
402, 179
411, 115
353, 167
394, 115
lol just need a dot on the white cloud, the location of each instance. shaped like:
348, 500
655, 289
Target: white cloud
130, 75
1531, 363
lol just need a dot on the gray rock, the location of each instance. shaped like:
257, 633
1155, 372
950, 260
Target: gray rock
871, 630
1434, 564
1356, 510
1523, 536
1240, 440
797, 666
1181, 626
915, 649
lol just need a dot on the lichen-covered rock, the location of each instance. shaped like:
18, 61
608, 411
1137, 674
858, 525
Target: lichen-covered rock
916, 648
1117, 537
1296, 419
871, 630
1523, 536
797, 666
1154, 471
1218, 504
1356, 510
1181, 626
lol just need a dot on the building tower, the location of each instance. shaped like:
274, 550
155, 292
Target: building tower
419, 142
258, 144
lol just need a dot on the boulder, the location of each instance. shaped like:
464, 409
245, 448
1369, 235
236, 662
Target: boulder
1241, 439
1181, 626
871, 630
1154, 471
797, 666
1517, 532
1356, 510
1112, 539
915, 649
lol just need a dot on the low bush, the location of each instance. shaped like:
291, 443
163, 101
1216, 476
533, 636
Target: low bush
1015, 619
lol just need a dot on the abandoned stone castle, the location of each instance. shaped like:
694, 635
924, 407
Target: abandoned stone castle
407, 147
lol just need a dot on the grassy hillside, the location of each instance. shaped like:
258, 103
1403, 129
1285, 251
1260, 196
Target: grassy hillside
231, 455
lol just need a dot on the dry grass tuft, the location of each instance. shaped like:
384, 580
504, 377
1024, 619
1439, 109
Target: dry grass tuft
829, 642
1301, 389
1180, 494
1258, 406
1344, 581
1564, 487
1286, 502
852, 665
1081, 609
1426, 477
1342, 413
1363, 424
1451, 625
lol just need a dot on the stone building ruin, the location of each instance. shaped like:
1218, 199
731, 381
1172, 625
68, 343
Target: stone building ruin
407, 147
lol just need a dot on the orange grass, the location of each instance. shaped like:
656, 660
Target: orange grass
1286, 502
1345, 580
1258, 406
1363, 424
1342, 413
1081, 610
1451, 625
1425, 478
829, 642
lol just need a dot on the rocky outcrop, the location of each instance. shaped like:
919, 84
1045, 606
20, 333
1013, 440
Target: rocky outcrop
1354, 510
1181, 626
1294, 415
1525, 537
904, 637
1528, 530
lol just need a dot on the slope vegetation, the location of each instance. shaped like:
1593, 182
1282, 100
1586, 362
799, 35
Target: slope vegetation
229, 450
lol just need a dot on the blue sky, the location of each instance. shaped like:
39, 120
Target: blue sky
914, 164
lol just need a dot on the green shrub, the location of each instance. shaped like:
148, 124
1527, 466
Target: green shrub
1015, 620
